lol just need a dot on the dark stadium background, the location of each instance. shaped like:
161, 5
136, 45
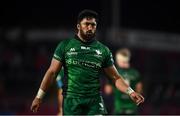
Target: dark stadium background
30, 31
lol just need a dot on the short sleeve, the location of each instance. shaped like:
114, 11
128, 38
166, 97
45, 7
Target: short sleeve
108, 59
59, 51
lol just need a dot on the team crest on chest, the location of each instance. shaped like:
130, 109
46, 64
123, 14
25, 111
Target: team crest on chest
98, 53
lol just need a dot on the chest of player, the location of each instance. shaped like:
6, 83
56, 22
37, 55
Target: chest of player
85, 56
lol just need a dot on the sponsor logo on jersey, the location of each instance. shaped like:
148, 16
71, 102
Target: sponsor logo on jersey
72, 49
72, 52
85, 48
84, 63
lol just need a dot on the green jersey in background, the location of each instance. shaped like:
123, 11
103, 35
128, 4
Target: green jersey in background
59, 79
123, 103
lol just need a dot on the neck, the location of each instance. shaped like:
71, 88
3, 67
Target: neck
80, 37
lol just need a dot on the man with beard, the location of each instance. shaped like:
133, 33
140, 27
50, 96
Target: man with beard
83, 58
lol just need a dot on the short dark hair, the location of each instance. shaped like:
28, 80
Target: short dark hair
87, 14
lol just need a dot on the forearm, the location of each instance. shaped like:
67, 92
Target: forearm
122, 86
46, 83
47, 80
49, 77
118, 80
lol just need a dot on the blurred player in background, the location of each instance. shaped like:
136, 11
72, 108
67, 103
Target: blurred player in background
122, 102
59, 91
83, 58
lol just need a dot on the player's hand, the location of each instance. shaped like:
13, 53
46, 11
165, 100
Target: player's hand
137, 98
35, 104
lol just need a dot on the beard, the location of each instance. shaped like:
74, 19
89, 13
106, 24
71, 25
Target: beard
88, 36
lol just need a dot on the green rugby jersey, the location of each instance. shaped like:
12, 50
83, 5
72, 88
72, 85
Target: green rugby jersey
82, 62
131, 77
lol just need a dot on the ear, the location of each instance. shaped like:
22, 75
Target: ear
78, 26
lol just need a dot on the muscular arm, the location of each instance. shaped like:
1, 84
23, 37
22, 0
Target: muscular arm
46, 82
122, 86
50, 74
117, 78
